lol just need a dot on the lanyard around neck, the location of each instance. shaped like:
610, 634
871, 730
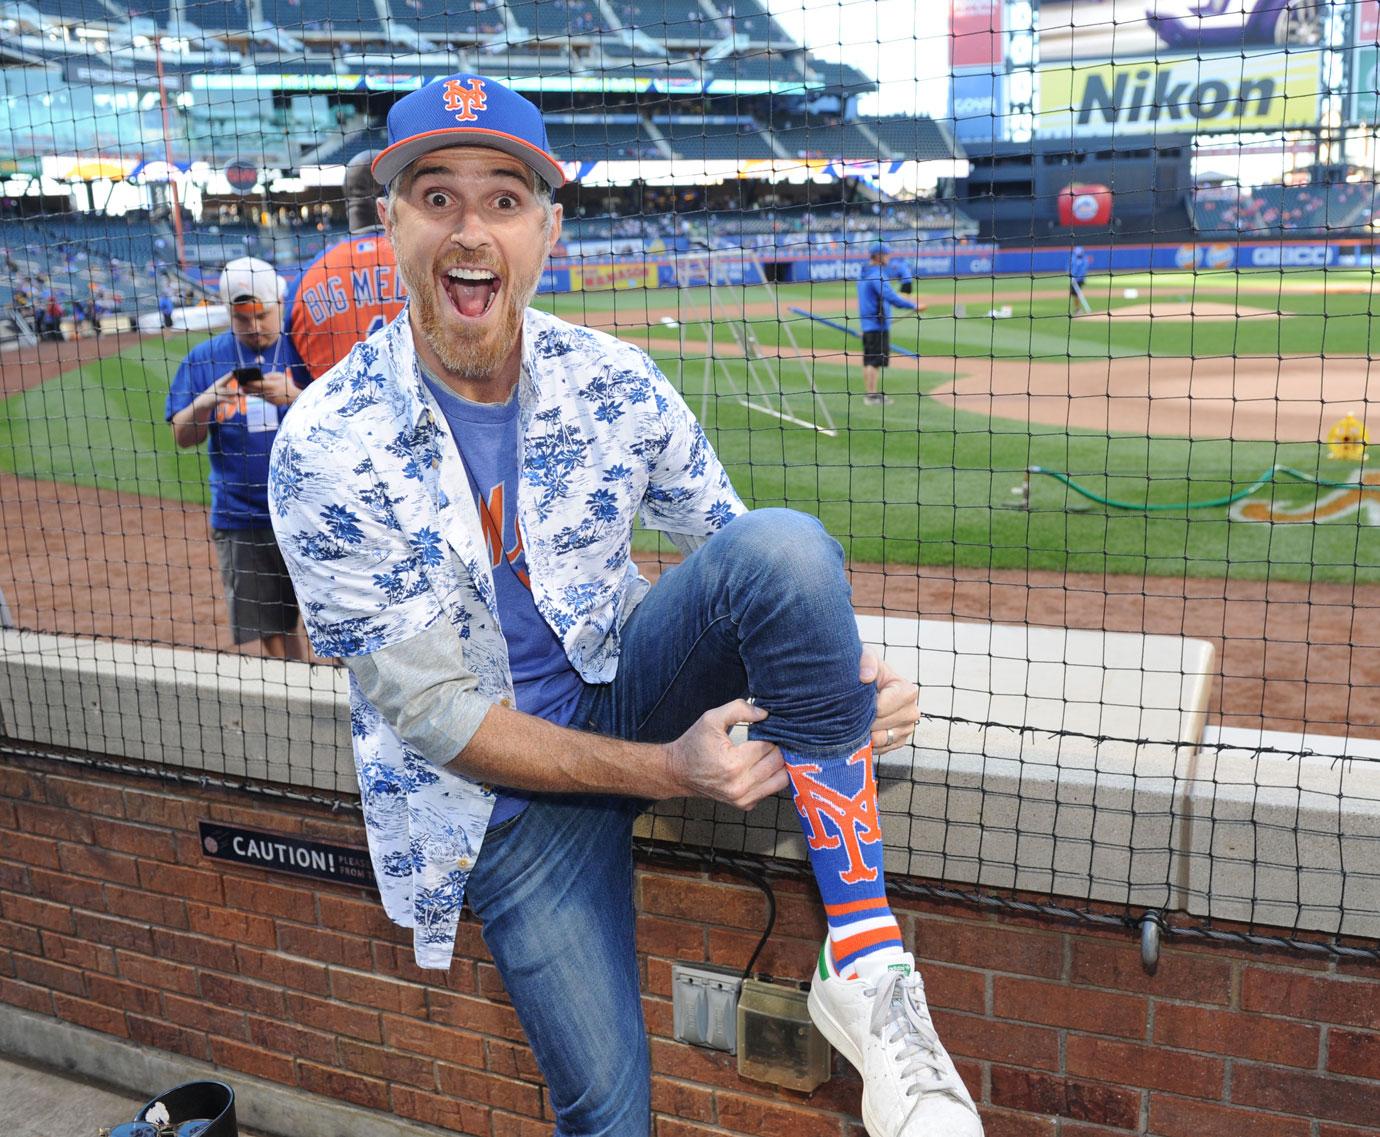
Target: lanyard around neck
274, 365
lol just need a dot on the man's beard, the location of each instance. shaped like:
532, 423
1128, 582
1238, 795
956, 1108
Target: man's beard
466, 351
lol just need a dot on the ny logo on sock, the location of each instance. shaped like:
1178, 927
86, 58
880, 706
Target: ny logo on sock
854, 818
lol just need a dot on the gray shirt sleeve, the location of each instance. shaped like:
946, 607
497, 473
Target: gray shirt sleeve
423, 690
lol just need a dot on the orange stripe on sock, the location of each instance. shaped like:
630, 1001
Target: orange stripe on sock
842, 949
855, 906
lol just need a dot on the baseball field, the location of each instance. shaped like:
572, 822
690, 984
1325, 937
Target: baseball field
1179, 390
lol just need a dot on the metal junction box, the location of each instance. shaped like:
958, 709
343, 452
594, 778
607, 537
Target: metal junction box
705, 1005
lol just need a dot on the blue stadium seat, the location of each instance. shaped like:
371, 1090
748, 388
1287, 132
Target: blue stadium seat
87, 12
749, 18
1274, 210
546, 20
155, 10
445, 20
919, 139
307, 16
212, 15
714, 138
603, 138
678, 21
70, 255
828, 140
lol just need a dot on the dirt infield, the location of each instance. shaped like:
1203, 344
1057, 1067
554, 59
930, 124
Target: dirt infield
1289, 399
1291, 657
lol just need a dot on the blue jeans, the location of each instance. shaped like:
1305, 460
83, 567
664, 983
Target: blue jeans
763, 609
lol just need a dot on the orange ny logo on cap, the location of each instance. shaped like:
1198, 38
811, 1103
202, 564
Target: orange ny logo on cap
466, 98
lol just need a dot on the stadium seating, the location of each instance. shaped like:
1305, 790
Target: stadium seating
920, 139
212, 15
1269, 210
305, 17
829, 139
673, 63
88, 12
609, 138
682, 22
714, 137
445, 20
544, 20
78, 258
749, 18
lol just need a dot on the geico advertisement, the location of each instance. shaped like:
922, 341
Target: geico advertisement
1182, 94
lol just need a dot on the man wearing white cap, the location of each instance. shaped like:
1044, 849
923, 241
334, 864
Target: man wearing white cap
455, 500
233, 390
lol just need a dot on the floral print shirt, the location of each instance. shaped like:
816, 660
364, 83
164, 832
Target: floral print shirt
373, 512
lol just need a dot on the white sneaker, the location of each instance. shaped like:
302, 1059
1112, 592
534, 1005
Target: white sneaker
881, 1024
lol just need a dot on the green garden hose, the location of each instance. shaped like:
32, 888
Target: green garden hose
1270, 475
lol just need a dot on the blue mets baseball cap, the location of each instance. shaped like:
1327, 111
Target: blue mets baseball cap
466, 110
878, 248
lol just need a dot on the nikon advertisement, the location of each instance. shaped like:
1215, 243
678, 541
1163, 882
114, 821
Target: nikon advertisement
1181, 95
1148, 68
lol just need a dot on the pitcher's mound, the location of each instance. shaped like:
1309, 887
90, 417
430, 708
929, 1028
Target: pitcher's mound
1187, 310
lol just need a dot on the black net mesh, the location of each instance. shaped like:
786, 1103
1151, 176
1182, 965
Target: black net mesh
1108, 500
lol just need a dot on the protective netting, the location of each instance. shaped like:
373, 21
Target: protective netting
1108, 499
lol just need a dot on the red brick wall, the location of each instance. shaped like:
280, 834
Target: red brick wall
114, 920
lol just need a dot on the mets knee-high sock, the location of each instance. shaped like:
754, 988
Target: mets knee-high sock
837, 803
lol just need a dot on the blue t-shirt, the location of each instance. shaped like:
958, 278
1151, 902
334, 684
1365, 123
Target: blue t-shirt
876, 298
544, 683
241, 435
1078, 267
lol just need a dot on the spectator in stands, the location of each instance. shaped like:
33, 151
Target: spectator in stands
480, 467
353, 288
876, 298
234, 390
50, 324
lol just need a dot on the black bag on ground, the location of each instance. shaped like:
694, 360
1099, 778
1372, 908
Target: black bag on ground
194, 1109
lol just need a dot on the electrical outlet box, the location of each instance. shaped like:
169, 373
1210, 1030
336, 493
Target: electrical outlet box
777, 1042
704, 1001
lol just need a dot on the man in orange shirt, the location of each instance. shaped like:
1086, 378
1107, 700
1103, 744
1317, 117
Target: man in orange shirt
352, 289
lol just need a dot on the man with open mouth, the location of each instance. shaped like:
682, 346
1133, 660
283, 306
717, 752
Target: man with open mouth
456, 501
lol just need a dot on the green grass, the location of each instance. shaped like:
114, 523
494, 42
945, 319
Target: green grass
102, 424
913, 483
920, 483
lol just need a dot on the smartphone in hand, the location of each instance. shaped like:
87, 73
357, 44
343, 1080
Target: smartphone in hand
246, 375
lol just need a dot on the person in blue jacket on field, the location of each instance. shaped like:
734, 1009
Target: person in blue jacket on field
1078, 273
876, 298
